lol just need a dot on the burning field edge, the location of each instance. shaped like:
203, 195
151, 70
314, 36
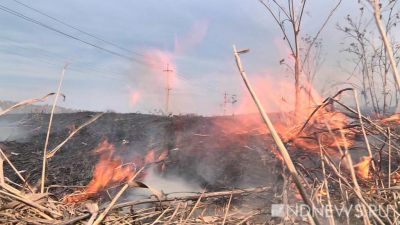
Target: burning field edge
341, 158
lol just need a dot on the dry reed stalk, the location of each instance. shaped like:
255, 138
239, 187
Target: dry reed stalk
11, 189
390, 158
15, 170
174, 213
357, 189
325, 103
31, 203
251, 214
161, 215
328, 196
282, 149
58, 147
49, 130
1, 171
363, 129
388, 46
146, 216
184, 211
227, 209
27, 102
381, 129
172, 199
194, 207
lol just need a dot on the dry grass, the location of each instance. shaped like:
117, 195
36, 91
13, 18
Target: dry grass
336, 182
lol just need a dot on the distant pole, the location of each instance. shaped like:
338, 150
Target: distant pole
167, 88
228, 98
233, 101
225, 102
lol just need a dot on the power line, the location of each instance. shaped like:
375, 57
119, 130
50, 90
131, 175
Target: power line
104, 74
78, 29
20, 15
82, 31
85, 32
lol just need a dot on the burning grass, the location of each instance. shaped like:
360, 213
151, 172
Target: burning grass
351, 160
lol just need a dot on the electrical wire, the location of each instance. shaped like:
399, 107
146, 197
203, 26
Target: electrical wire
22, 16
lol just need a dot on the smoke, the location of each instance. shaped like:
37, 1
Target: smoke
11, 129
192, 38
161, 71
170, 184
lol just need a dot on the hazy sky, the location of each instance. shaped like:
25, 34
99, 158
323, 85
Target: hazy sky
194, 36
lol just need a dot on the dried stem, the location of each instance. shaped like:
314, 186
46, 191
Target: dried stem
363, 129
172, 199
58, 147
227, 209
385, 39
325, 181
27, 102
285, 155
43, 180
30, 202
15, 169
390, 158
194, 207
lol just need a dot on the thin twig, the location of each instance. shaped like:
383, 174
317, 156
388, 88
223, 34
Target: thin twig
183, 198
363, 129
227, 209
325, 181
390, 158
15, 170
49, 130
27, 102
194, 207
31, 203
388, 46
58, 147
284, 153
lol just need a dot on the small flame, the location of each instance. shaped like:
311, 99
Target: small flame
392, 118
362, 168
322, 192
110, 170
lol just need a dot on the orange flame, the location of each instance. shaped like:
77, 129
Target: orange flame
274, 96
362, 168
110, 170
392, 118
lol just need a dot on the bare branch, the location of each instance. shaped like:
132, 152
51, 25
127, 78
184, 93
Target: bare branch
320, 30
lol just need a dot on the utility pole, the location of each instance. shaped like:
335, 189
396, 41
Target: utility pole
225, 102
229, 98
167, 88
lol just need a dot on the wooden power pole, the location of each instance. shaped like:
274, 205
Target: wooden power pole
167, 88
229, 98
225, 102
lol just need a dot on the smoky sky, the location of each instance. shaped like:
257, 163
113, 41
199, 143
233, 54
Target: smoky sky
195, 36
